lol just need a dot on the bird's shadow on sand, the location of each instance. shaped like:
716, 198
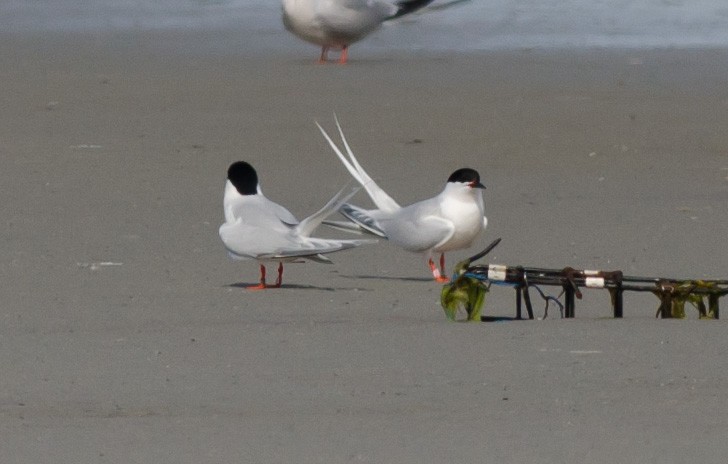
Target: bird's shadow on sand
334, 62
500, 319
397, 278
245, 286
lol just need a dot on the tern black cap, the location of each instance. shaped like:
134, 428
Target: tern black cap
243, 176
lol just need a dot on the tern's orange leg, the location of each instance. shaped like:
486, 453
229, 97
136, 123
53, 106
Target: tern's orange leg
261, 285
436, 272
279, 280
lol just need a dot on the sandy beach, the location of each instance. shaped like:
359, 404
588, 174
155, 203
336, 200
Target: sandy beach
127, 335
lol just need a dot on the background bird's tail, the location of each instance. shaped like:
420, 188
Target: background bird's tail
408, 6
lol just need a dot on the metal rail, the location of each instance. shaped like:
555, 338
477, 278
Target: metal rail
672, 293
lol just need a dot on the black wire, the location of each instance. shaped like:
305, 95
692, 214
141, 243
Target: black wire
548, 298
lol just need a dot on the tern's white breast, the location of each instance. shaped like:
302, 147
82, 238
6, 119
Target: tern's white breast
466, 215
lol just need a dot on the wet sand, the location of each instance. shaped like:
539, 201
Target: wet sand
126, 334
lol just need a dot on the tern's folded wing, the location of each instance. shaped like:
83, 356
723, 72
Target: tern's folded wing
421, 235
313, 247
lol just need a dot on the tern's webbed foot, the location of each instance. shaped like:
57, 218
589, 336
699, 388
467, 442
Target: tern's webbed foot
257, 287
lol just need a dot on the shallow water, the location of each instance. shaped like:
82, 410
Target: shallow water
473, 25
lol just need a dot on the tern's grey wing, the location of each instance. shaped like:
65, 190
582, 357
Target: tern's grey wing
264, 214
420, 235
320, 259
249, 241
282, 213
254, 209
346, 226
312, 247
418, 227
363, 219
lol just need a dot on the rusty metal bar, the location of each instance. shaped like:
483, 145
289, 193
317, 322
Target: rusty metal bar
673, 293
572, 281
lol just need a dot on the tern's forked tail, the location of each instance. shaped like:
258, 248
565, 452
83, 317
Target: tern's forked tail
380, 198
307, 226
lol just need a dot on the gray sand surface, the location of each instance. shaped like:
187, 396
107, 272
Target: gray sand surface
126, 335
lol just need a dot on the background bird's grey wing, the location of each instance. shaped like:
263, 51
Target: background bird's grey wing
442, 6
381, 8
352, 19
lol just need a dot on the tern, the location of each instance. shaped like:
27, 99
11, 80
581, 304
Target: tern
339, 23
449, 221
259, 229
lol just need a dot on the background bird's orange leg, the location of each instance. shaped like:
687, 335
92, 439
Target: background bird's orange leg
344, 54
324, 55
